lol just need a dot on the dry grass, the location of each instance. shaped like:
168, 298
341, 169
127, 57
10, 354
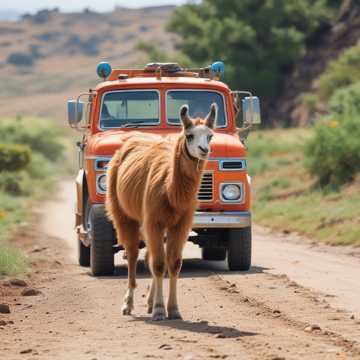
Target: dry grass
66, 66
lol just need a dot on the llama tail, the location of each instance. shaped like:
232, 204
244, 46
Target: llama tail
112, 205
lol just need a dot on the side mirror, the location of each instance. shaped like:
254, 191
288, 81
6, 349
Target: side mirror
75, 112
251, 110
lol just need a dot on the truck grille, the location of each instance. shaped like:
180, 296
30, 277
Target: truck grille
206, 188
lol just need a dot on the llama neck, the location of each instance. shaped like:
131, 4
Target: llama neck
184, 177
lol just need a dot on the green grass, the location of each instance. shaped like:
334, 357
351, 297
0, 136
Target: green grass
12, 261
49, 160
285, 195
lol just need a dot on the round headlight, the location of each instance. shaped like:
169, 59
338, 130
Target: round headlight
231, 192
102, 182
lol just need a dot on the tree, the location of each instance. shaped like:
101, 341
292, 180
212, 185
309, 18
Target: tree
258, 40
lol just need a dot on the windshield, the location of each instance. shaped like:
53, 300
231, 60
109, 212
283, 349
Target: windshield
129, 109
199, 102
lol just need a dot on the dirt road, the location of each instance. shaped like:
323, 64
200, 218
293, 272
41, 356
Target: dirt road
299, 301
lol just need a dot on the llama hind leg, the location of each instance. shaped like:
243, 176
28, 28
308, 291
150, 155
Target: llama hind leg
155, 243
129, 235
151, 289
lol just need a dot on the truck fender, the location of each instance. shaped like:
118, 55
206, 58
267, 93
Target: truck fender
81, 194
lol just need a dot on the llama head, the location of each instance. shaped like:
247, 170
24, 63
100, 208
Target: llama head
198, 132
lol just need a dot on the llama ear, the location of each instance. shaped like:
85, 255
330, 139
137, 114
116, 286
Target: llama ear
184, 117
211, 117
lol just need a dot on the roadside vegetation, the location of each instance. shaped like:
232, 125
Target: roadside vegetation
30, 152
288, 195
305, 180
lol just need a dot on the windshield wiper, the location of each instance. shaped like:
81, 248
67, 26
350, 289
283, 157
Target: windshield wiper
135, 124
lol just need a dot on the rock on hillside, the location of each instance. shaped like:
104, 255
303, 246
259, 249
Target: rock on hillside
324, 46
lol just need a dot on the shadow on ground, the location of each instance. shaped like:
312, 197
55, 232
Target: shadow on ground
190, 268
198, 327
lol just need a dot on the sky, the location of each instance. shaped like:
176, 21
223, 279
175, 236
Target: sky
24, 6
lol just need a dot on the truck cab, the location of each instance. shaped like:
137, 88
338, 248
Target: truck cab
148, 100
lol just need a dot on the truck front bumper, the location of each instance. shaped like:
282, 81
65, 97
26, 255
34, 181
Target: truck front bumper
227, 219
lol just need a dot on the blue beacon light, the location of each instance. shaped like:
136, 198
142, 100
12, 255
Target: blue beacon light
218, 69
103, 70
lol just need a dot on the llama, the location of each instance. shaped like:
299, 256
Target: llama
152, 184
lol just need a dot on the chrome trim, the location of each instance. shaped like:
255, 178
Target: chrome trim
207, 90
229, 219
127, 90
94, 157
243, 164
98, 189
238, 201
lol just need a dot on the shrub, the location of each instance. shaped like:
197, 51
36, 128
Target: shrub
15, 183
342, 72
346, 101
40, 135
40, 167
14, 157
333, 153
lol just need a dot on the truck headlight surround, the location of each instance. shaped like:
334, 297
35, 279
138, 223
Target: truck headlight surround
231, 192
101, 183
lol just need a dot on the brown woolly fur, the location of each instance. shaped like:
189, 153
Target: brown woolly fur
152, 183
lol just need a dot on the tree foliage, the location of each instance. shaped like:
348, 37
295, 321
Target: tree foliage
257, 39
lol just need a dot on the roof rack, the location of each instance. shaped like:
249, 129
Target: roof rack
168, 69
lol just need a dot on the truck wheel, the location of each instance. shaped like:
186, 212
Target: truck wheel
209, 253
239, 249
101, 239
83, 253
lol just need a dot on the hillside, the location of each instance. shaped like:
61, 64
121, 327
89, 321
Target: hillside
49, 57
325, 45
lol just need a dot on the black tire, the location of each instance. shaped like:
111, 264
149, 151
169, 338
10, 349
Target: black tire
101, 238
83, 253
239, 249
216, 254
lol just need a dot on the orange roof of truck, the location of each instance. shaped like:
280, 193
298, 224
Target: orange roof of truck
154, 81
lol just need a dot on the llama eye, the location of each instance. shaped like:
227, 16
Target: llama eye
210, 137
190, 138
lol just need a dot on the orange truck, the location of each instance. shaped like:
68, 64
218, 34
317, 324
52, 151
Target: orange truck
148, 100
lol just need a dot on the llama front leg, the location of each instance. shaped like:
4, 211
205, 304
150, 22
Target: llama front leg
158, 310
150, 297
155, 244
176, 240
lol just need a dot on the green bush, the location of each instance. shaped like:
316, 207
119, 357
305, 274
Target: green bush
16, 183
342, 72
346, 101
14, 157
40, 135
333, 153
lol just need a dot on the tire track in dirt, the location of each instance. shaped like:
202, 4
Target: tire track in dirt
252, 315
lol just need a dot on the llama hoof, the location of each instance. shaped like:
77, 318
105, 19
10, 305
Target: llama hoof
150, 309
174, 315
158, 314
126, 309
